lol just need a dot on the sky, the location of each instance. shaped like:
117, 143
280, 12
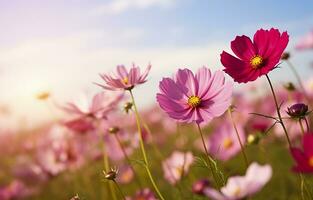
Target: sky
61, 46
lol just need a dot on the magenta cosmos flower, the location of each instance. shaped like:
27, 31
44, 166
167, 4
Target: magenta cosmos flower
256, 58
124, 79
197, 97
304, 158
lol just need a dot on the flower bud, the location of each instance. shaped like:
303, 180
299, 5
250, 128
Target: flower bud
290, 86
111, 175
76, 197
253, 139
285, 56
114, 130
298, 110
128, 106
199, 186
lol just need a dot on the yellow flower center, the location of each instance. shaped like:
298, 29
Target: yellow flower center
227, 143
43, 95
194, 101
237, 192
125, 80
179, 170
311, 161
256, 61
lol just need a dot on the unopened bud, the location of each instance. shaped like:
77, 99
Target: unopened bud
128, 106
111, 175
199, 186
298, 110
285, 56
290, 86
114, 130
253, 139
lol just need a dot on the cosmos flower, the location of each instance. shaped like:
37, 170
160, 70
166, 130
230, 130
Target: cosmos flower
15, 190
239, 187
100, 105
124, 79
126, 174
306, 42
256, 58
144, 194
304, 158
199, 186
223, 143
177, 165
196, 97
85, 112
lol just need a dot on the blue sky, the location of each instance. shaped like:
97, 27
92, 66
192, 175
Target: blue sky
61, 46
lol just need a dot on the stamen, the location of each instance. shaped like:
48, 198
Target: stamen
125, 80
194, 101
256, 61
227, 143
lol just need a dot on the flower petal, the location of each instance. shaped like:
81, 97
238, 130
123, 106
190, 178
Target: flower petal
243, 47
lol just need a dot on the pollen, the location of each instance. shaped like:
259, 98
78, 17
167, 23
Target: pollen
237, 192
256, 61
311, 161
125, 80
194, 101
227, 143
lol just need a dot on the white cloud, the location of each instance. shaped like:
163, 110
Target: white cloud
68, 65
119, 6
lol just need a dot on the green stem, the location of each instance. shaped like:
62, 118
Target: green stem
119, 189
106, 165
142, 146
278, 110
301, 126
128, 160
208, 156
294, 71
239, 139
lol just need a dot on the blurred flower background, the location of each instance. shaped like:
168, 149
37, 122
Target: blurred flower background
52, 112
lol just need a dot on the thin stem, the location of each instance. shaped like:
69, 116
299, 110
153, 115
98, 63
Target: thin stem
208, 156
302, 187
142, 146
128, 159
294, 71
307, 125
278, 110
239, 139
301, 126
262, 115
106, 165
119, 189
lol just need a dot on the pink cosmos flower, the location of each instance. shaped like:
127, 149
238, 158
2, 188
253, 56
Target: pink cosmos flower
176, 166
306, 42
100, 105
144, 194
15, 190
125, 174
84, 112
255, 58
195, 98
223, 143
304, 158
124, 79
239, 187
